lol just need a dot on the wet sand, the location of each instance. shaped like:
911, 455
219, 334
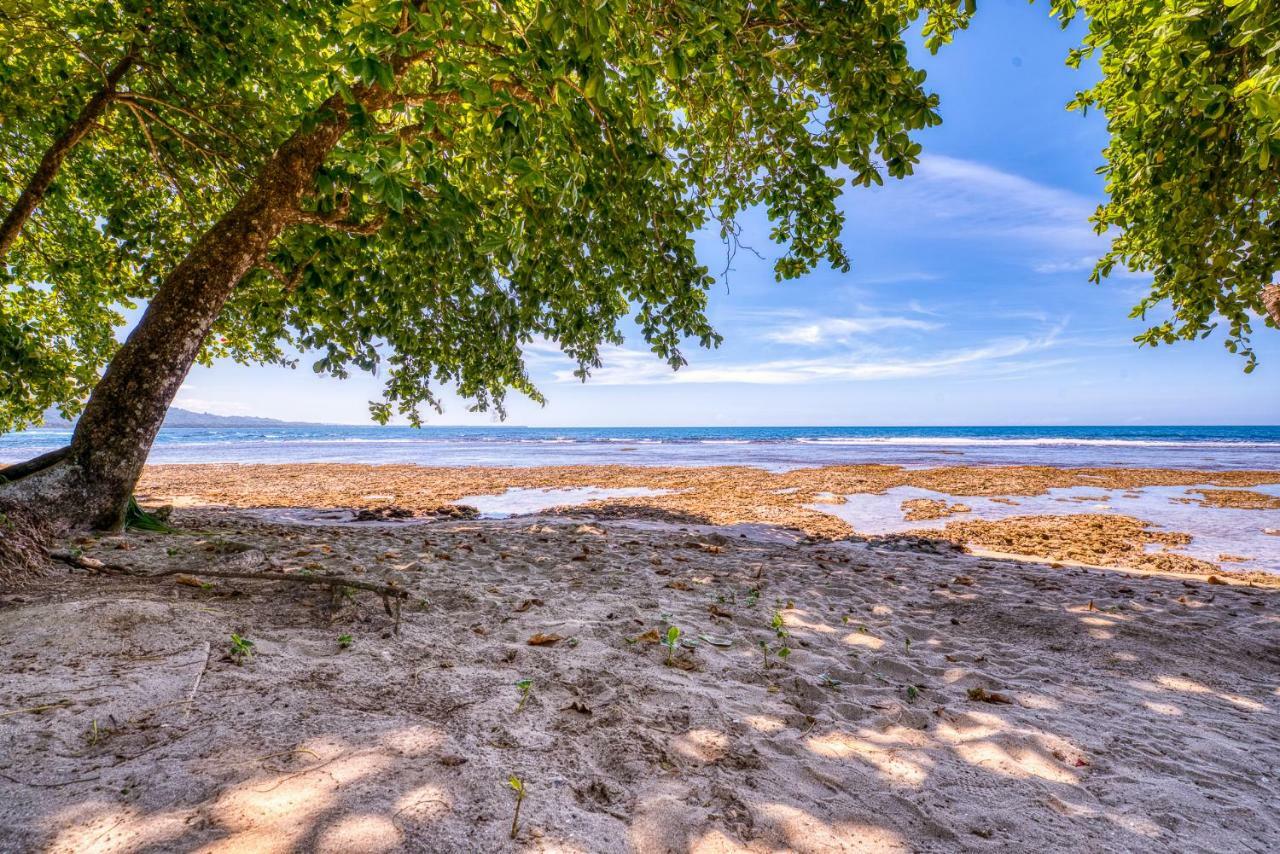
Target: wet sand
798, 499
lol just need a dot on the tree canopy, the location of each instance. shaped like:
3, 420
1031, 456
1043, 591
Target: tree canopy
1191, 93
529, 170
186, 88
535, 169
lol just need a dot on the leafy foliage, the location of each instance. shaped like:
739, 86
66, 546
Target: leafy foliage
194, 115
1191, 92
535, 174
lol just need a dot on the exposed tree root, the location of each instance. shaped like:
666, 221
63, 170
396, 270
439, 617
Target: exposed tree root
17, 471
391, 593
23, 545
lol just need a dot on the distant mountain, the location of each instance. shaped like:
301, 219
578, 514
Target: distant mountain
178, 417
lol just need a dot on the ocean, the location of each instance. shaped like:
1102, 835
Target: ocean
776, 448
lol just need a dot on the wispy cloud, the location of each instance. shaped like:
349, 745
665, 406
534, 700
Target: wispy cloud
1077, 265
841, 330
896, 278
1084, 264
998, 357
964, 198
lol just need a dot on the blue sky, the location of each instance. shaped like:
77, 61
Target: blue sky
968, 301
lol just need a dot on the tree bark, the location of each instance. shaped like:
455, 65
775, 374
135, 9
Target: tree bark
18, 471
1271, 301
53, 158
92, 485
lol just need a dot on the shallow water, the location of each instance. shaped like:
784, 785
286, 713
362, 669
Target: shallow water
518, 501
1214, 530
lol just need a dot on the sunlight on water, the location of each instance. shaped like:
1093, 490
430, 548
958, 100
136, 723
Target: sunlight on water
515, 502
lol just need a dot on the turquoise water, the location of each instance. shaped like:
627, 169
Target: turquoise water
766, 447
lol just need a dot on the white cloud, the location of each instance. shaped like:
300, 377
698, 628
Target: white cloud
1079, 265
897, 278
998, 357
842, 329
963, 198
1083, 264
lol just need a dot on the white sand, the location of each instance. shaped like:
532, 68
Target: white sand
1146, 721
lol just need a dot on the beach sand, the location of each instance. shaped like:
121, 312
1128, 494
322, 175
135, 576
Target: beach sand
933, 700
795, 499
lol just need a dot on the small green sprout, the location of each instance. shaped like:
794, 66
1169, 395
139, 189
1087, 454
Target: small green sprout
907, 641
671, 642
753, 596
345, 641
524, 686
241, 649
913, 693
517, 786
779, 627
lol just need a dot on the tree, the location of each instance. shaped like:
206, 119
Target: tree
481, 175
1191, 92
123, 126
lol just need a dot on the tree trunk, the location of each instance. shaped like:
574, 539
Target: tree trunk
92, 485
57, 153
1271, 301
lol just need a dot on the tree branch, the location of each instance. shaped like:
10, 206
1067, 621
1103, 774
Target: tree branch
17, 471
54, 156
290, 280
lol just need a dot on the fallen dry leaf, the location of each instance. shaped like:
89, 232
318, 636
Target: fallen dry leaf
541, 639
188, 580
650, 636
679, 585
982, 695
